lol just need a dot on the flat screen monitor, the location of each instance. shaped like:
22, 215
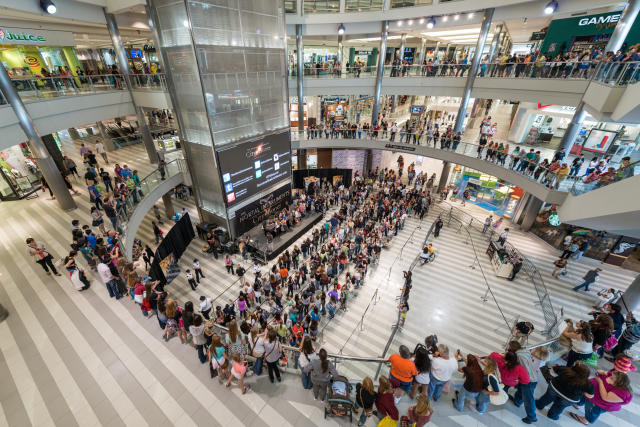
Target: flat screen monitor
599, 140
253, 166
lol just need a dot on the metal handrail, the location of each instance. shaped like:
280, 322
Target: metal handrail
123, 214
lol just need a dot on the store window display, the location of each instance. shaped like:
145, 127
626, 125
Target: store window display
20, 174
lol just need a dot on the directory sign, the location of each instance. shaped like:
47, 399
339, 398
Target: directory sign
253, 166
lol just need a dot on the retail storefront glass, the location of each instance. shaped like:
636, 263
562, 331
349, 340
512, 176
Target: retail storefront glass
486, 191
20, 174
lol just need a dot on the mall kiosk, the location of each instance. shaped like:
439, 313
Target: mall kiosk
500, 259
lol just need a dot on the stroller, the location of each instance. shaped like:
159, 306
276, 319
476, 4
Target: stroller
338, 401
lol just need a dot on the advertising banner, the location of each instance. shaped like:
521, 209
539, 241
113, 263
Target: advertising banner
250, 167
258, 211
30, 36
599, 141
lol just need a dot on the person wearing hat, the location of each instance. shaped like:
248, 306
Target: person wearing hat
589, 278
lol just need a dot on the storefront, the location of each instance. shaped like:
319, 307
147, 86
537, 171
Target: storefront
25, 52
19, 174
486, 191
585, 33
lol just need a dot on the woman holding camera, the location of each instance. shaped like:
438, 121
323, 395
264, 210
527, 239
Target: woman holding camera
566, 389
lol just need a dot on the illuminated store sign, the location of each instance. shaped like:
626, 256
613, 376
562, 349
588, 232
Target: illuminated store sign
30, 36
600, 20
6, 35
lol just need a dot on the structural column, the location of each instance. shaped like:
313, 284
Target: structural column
444, 176
473, 69
123, 68
630, 300
379, 72
302, 154
530, 212
627, 18
45, 162
168, 205
423, 48
340, 47
494, 43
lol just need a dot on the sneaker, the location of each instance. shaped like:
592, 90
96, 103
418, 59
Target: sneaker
528, 420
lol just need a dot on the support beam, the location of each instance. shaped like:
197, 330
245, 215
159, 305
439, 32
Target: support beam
473, 69
299, 77
531, 210
627, 18
630, 300
444, 176
167, 201
123, 68
45, 162
384, 32
574, 127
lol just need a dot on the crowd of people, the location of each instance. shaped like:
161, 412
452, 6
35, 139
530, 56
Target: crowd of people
610, 66
278, 317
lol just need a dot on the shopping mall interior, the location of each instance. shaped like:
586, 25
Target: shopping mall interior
319, 212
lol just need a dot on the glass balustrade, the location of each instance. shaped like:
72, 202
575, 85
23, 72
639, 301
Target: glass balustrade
127, 206
550, 176
36, 88
611, 73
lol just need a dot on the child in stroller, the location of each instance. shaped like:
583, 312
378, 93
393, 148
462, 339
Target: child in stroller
338, 401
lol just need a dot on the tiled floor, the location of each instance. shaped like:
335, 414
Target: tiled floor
82, 359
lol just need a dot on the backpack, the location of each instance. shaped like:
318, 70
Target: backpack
172, 326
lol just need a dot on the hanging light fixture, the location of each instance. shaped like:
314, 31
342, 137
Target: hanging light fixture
550, 7
431, 23
48, 6
341, 29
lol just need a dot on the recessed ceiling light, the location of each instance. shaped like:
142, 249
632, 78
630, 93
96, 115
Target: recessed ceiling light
469, 16
456, 16
445, 18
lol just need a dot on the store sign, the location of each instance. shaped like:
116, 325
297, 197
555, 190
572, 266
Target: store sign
399, 147
538, 35
27, 36
600, 20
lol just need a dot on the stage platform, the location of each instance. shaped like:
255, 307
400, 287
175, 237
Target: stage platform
258, 241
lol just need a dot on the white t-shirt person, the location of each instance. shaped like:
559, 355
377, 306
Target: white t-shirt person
100, 148
442, 368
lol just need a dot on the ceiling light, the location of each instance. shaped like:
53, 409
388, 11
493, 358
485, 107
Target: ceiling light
410, 22
48, 6
550, 7
400, 23
341, 29
421, 21
469, 16
445, 18
431, 23
456, 16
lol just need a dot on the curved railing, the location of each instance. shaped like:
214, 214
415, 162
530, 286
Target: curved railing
131, 206
614, 73
537, 172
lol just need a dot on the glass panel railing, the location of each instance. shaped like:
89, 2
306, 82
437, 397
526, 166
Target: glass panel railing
362, 5
125, 207
35, 88
149, 81
612, 73
321, 6
291, 6
536, 169
409, 3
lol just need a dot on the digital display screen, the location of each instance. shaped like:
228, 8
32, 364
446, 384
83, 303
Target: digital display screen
135, 53
599, 141
253, 166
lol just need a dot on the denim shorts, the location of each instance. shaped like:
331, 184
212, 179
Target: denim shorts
405, 386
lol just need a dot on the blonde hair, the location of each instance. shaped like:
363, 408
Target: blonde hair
171, 309
424, 406
490, 367
367, 384
384, 386
233, 331
540, 353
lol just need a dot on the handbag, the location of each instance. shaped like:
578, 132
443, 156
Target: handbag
387, 422
611, 342
500, 398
